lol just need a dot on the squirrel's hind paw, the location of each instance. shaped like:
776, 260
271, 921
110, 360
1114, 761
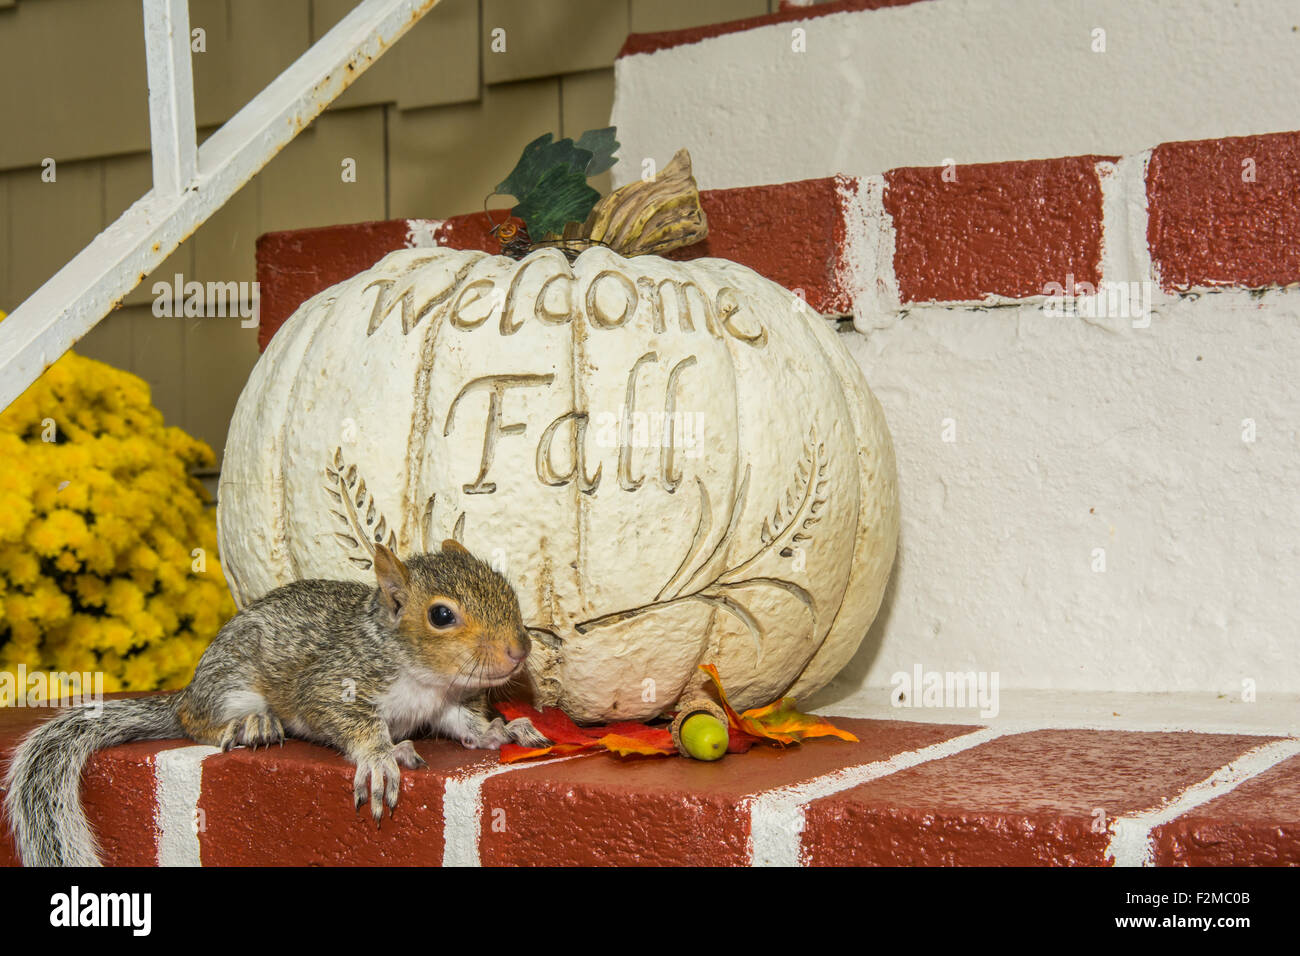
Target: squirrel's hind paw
404, 753
253, 730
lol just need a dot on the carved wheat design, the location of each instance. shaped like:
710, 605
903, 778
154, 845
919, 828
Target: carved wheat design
428, 533
799, 506
358, 513
797, 510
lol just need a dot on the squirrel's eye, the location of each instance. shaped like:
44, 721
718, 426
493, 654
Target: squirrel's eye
440, 615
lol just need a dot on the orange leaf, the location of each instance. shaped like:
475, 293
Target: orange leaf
512, 753
624, 745
779, 721
722, 695
623, 738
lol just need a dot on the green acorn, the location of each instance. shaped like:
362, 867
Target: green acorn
700, 730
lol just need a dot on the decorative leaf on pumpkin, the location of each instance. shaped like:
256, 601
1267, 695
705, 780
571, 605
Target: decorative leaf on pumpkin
539, 156
602, 145
358, 513
550, 182
562, 196
803, 498
651, 217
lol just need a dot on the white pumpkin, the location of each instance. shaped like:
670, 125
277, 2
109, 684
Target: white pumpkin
675, 463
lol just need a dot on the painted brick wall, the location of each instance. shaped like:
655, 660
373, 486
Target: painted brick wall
994, 232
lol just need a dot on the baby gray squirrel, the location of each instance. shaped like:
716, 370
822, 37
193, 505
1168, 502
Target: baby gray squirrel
359, 668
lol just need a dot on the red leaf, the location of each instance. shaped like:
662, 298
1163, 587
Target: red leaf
739, 742
552, 723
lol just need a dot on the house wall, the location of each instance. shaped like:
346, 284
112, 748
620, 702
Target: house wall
861, 86
432, 127
1102, 500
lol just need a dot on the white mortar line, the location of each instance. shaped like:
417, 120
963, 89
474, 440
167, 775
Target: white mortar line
1132, 171
1023, 725
776, 819
866, 265
462, 810
1125, 255
1130, 842
178, 781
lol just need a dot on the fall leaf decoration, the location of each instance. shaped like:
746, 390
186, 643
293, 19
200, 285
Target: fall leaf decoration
778, 723
625, 739
559, 208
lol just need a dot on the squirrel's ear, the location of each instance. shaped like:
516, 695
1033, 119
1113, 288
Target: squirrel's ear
392, 577
451, 544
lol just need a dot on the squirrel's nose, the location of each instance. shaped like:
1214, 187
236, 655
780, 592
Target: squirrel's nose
519, 647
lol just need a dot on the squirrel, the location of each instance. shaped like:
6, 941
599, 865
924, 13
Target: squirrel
336, 662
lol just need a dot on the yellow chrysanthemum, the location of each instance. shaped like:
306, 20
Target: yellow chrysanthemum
19, 566
98, 518
123, 598
49, 604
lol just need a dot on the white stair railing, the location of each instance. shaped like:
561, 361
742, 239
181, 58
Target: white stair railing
189, 183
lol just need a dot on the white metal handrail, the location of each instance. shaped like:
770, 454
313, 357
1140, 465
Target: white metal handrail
190, 183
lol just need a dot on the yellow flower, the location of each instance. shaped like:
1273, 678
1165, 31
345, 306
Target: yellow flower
67, 561
123, 598
140, 671
49, 604
91, 590
98, 516
19, 566
44, 539
84, 630
145, 626
16, 606
114, 635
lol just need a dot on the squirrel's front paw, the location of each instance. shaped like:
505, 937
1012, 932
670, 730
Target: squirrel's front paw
522, 732
380, 777
490, 736
481, 735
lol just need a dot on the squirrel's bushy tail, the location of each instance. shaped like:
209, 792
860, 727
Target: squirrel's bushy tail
43, 801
